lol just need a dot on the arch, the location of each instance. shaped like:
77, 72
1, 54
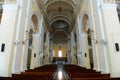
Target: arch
58, 32
57, 17
85, 22
38, 18
35, 23
60, 18
52, 1
85, 30
82, 17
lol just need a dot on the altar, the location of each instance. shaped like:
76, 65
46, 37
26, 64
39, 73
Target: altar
59, 59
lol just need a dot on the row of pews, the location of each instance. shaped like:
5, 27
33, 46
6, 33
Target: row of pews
41, 73
80, 73
47, 72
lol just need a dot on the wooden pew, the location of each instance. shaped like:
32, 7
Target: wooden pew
36, 75
80, 73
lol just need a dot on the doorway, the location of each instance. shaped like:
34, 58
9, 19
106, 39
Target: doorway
90, 48
29, 49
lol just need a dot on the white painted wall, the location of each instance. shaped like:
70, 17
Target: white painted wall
19, 36
111, 24
7, 33
92, 26
16, 22
35, 51
84, 46
83, 42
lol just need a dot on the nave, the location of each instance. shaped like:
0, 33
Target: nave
84, 33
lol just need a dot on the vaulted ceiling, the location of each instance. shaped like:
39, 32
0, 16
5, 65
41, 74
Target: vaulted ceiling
60, 16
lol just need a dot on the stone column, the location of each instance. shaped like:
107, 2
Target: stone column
94, 38
72, 47
41, 38
79, 54
7, 36
47, 48
111, 27
19, 54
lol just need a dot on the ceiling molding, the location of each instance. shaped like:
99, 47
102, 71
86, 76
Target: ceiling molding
59, 18
49, 2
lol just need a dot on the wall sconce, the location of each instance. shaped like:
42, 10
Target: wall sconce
19, 42
103, 42
16, 42
89, 47
96, 41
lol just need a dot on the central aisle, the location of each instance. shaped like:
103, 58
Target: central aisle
60, 74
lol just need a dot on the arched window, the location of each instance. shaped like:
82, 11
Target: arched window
60, 53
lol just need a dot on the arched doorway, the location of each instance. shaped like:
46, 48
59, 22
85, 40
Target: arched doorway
90, 47
29, 48
88, 51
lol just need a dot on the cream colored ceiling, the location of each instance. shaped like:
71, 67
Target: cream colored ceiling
60, 16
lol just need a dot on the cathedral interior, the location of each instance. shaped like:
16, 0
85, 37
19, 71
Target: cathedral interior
59, 39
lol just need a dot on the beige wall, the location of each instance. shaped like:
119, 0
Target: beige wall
63, 48
15, 25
